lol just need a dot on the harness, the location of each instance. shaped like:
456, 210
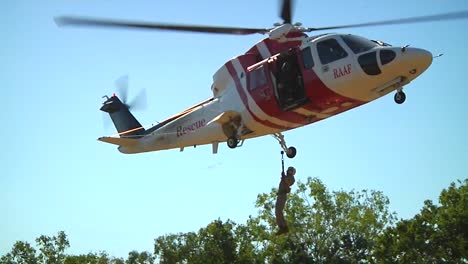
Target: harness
284, 176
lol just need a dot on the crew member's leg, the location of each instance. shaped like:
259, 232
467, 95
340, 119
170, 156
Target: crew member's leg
279, 207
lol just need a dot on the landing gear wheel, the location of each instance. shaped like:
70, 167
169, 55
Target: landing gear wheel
232, 142
400, 97
291, 152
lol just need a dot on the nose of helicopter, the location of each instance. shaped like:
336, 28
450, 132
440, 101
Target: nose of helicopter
417, 59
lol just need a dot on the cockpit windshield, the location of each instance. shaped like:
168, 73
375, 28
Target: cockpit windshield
381, 43
358, 44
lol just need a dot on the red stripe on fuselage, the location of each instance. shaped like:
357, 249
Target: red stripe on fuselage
273, 109
321, 97
243, 97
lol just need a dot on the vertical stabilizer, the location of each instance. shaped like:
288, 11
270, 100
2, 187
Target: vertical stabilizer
124, 121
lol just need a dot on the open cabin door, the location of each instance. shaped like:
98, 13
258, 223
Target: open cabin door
277, 84
289, 80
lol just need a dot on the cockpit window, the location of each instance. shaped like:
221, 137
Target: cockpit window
307, 58
368, 63
330, 50
358, 44
257, 78
386, 56
381, 43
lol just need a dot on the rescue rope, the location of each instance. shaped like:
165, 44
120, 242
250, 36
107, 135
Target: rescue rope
282, 160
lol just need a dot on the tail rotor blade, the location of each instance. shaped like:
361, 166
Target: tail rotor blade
122, 88
139, 102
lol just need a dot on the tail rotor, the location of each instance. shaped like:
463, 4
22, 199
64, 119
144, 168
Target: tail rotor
138, 103
119, 109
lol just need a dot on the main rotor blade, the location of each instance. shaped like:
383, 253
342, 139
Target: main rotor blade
409, 20
286, 11
99, 22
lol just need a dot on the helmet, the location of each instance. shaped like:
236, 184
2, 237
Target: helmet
292, 170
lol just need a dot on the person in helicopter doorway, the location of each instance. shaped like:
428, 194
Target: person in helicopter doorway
286, 86
287, 180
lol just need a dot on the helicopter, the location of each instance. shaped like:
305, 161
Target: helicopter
285, 81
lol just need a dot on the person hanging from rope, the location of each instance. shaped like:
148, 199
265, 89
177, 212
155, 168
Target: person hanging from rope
287, 180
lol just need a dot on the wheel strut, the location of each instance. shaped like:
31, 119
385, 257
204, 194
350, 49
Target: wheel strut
290, 151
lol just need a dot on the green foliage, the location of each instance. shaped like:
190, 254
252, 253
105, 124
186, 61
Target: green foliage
104, 258
52, 248
325, 227
91, 258
21, 253
215, 243
438, 234
134, 257
338, 227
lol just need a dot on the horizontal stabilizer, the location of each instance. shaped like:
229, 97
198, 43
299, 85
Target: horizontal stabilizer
126, 142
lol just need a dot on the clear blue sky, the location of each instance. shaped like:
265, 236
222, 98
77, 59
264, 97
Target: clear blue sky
57, 176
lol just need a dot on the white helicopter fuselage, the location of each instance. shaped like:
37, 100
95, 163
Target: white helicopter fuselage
329, 74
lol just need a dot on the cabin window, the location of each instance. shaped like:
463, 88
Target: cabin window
386, 56
258, 78
330, 50
307, 58
358, 44
368, 63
